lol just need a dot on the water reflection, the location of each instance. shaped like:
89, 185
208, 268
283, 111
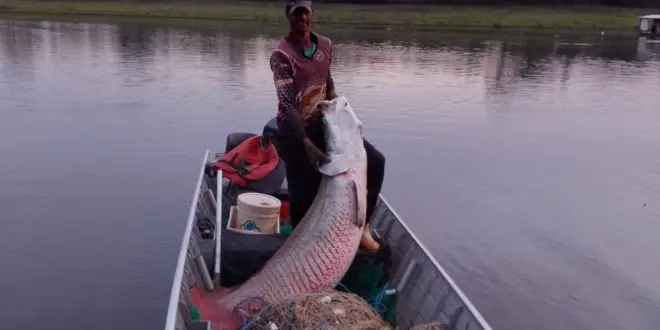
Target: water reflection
648, 49
15, 37
507, 60
136, 43
140, 39
522, 161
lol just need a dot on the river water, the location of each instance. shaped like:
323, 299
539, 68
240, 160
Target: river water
529, 165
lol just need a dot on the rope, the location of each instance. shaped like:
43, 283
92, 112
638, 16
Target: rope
245, 314
377, 302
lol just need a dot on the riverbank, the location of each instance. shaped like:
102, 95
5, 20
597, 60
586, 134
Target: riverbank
392, 15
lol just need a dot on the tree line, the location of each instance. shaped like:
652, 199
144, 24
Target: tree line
565, 3
580, 4
577, 4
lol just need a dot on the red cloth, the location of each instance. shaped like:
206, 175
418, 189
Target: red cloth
251, 160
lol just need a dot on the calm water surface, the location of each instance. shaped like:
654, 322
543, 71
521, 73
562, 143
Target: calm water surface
529, 166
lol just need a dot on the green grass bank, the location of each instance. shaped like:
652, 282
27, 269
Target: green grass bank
382, 15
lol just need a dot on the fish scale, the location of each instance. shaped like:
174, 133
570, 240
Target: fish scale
317, 254
322, 247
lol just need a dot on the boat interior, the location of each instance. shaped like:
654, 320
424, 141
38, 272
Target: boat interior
216, 257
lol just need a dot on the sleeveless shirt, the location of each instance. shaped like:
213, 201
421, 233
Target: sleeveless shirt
300, 81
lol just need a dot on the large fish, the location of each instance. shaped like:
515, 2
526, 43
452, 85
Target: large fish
322, 247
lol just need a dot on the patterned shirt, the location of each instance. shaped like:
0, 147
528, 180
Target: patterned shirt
300, 81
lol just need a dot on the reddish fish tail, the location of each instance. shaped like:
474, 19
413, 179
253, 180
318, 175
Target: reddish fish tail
225, 319
221, 316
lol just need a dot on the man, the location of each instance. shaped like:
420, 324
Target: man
301, 71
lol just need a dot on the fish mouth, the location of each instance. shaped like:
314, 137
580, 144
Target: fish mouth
343, 136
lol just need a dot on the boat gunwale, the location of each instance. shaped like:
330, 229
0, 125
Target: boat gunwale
170, 323
452, 284
218, 228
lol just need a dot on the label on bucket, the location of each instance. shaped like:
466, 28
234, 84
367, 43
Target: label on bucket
250, 225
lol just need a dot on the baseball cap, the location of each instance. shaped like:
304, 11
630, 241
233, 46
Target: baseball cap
295, 4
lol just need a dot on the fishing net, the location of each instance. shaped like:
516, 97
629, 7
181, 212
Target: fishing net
319, 310
323, 310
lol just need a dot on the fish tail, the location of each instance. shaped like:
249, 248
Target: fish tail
213, 308
228, 321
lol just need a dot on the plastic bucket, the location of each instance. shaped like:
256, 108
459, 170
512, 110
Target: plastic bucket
258, 212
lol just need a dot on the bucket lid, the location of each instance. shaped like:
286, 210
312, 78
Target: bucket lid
259, 201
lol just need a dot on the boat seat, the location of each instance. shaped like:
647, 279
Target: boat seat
277, 177
271, 131
272, 183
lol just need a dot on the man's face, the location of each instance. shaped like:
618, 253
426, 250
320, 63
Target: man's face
300, 20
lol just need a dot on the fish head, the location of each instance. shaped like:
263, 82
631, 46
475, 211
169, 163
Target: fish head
344, 139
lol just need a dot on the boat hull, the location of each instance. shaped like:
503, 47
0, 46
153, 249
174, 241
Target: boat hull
424, 291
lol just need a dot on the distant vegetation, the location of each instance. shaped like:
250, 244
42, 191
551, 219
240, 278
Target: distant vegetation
426, 13
611, 3
601, 3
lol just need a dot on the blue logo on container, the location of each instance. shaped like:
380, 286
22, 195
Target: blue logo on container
250, 225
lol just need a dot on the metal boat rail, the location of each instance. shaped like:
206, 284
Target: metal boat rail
424, 291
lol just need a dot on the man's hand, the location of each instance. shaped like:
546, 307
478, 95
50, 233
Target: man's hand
314, 154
